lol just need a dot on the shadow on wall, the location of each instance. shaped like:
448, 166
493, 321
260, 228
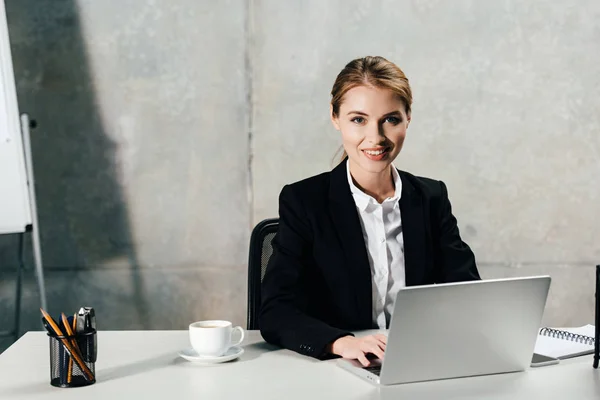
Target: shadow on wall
82, 211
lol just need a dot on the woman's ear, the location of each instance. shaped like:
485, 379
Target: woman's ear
334, 120
408, 118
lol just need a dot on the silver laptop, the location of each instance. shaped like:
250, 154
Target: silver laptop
460, 329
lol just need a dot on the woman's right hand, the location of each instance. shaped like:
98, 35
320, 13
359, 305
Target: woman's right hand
353, 348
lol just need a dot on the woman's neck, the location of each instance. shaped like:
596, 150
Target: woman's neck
379, 185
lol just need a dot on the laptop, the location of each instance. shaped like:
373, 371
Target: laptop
459, 329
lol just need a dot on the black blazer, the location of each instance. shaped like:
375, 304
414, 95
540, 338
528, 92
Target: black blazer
317, 286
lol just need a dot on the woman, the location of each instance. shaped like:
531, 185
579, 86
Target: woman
349, 239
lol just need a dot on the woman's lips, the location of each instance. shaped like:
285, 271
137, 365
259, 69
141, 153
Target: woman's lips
376, 154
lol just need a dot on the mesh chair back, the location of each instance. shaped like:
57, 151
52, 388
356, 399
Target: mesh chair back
261, 251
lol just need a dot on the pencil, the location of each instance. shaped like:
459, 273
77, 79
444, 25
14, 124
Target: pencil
73, 342
75, 330
73, 351
69, 333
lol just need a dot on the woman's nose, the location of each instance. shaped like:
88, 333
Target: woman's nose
375, 133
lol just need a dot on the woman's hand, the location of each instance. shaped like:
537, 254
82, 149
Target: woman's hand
353, 348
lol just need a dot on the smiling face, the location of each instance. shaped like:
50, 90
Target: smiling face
373, 124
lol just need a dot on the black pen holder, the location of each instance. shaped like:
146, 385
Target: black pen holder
65, 370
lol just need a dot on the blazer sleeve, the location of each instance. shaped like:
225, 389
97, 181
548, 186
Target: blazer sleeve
457, 259
283, 319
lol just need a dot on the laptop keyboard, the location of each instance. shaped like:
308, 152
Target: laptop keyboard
376, 369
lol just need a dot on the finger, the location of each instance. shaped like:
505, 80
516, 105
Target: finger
372, 339
379, 353
376, 350
381, 343
376, 340
363, 360
381, 337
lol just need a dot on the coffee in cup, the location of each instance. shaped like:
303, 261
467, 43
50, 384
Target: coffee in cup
213, 338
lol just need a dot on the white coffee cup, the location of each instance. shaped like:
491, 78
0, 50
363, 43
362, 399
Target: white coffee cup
213, 338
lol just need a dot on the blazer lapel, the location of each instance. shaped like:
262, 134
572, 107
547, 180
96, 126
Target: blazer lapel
414, 232
347, 224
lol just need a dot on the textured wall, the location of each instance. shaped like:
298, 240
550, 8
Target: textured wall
140, 157
168, 129
505, 112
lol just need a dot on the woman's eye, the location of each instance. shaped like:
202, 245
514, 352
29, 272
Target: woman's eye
393, 120
358, 120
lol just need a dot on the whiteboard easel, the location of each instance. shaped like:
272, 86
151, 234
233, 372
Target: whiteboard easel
18, 208
26, 123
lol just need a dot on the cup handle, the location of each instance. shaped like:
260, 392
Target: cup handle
238, 328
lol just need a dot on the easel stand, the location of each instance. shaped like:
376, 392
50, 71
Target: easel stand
26, 124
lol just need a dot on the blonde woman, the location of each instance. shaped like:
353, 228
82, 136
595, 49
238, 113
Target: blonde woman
349, 239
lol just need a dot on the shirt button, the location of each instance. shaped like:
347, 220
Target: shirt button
382, 239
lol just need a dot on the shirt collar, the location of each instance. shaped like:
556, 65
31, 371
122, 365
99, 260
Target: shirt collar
362, 200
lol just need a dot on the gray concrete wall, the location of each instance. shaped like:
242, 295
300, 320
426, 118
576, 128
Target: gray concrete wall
505, 112
168, 129
141, 158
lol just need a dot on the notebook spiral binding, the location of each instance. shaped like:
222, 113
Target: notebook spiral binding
573, 337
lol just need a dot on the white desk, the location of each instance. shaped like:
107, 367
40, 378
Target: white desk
145, 365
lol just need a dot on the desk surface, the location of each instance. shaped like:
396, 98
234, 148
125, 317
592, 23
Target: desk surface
145, 364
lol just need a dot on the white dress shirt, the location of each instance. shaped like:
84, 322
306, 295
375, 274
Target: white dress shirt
382, 232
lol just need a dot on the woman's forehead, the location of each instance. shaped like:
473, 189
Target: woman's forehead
371, 100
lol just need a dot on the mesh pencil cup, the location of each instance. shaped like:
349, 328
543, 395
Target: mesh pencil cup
71, 360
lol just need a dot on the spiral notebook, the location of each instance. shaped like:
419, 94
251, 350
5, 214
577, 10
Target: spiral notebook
565, 342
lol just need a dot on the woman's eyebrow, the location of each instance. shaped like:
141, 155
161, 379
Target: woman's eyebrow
358, 112
396, 112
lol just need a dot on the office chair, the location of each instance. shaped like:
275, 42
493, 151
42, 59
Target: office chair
260, 253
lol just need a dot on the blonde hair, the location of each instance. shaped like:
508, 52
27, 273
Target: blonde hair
374, 71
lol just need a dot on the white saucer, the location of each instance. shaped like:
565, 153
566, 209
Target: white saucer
191, 355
